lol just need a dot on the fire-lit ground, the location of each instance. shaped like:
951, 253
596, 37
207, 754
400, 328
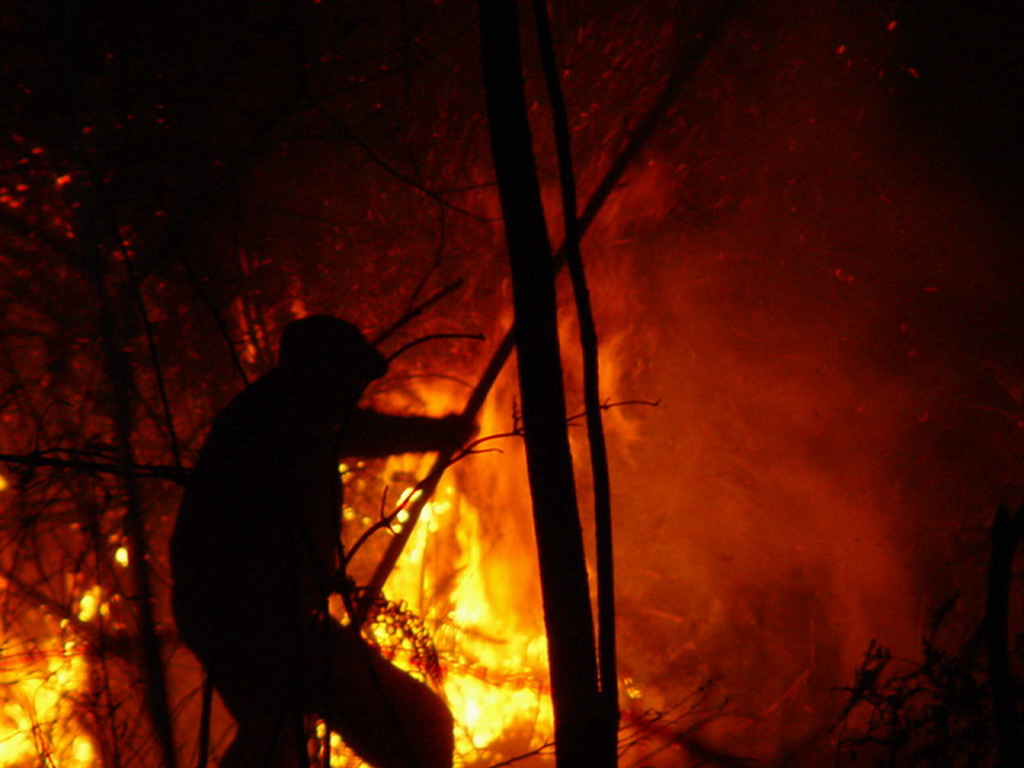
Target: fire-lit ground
803, 283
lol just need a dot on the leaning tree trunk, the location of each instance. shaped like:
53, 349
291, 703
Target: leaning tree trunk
567, 611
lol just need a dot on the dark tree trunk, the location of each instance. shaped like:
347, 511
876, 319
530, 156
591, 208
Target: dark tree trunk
607, 677
1007, 531
567, 611
94, 226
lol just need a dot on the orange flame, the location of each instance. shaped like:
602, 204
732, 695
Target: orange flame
470, 596
40, 684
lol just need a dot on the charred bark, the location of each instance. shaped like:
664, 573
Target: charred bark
567, 611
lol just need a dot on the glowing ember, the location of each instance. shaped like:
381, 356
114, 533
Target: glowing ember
91, 605
121, 556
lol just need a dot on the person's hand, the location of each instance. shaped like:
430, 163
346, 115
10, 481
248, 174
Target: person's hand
343, 584
458, 430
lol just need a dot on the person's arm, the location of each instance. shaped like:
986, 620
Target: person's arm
373, 434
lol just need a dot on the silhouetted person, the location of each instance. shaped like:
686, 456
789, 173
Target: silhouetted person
254, 556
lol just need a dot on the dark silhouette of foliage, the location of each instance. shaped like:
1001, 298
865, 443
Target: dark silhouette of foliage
946, 710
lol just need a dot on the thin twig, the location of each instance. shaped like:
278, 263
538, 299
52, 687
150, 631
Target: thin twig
222, 326
120, 380
405, 178
607, 406
435, 264
543, 749
415, 312
433, 337
147, 325
1007, 532
385, 519
684, 67
38, 459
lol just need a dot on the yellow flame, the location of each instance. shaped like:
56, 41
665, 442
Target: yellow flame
472, 603
38, 721
91, 604
495, 675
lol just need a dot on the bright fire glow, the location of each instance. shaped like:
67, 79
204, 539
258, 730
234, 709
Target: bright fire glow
91, 604
38, 712
472, 601
494, 676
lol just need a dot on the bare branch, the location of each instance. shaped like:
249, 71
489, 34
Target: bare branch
152, 471
416, 311
436, 196
434, 337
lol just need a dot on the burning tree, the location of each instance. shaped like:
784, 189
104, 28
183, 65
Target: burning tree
797, 269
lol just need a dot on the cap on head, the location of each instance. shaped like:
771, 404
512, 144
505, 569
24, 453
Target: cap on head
325, 346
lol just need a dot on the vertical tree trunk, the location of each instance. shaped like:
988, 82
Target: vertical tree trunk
88, 207
605, 562
120, 395
567, 611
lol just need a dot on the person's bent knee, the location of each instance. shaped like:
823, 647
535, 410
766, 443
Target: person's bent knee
406, 725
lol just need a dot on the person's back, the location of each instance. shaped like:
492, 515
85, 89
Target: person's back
254, 557
262, 479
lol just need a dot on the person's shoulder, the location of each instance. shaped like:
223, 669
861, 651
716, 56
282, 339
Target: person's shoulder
271, 386
260, 397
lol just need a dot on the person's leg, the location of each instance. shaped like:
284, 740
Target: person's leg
264, 745
262, 693
387, 717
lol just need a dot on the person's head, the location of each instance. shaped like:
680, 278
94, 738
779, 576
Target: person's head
325, 348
